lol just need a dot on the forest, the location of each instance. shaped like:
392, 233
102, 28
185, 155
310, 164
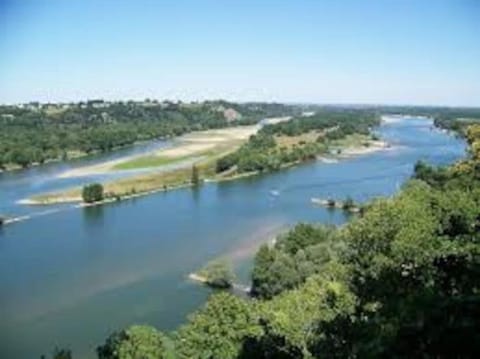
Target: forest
400, 280
261, 152
35, 133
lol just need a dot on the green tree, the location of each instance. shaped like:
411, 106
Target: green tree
218, 330
272, 276
195, 176
92, 193
289, 320
137, 342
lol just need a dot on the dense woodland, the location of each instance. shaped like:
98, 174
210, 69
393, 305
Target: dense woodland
261, 152
401, 280
36, 133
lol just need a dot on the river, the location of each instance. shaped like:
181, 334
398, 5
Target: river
71, 277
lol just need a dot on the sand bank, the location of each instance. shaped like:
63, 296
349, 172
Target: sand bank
192, 144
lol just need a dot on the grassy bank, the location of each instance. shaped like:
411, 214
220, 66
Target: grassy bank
150, 161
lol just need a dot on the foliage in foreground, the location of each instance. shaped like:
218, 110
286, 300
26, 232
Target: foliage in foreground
136, 342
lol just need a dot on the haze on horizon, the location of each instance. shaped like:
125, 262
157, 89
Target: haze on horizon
391, 52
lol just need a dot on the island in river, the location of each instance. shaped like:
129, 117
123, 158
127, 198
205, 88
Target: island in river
230, 153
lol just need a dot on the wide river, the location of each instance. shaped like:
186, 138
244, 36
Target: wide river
69, 277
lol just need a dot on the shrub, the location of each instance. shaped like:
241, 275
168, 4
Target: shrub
218, 274
348, 204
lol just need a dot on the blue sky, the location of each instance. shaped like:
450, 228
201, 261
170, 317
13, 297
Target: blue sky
396, 52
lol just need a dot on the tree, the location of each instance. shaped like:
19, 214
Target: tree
274, 272
137, 342
260, 274
195, 176
92, 193
218, 274
298, 254
218, 330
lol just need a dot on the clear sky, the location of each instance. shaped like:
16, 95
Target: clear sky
352, 51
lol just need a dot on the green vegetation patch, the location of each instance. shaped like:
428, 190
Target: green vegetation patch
150, 161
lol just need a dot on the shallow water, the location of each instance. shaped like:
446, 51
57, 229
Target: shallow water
72, 277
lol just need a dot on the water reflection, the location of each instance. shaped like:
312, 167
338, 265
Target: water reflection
93, 216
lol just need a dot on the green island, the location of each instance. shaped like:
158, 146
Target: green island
226, 154
216, 274
230, 147
398, 280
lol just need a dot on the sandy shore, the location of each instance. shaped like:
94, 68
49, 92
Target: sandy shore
374, 146
95, 169
192, 144
58, 200
354, 151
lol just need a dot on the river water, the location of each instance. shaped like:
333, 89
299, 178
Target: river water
69, 278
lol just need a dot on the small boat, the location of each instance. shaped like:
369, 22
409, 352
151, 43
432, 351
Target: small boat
274, 193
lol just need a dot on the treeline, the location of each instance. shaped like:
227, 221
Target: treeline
457, 120
261, 152
400, 281
36, 133
348, 122
449, 118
